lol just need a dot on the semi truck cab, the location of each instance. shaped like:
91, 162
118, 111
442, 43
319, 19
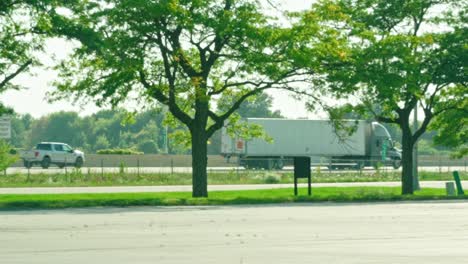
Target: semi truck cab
382, 147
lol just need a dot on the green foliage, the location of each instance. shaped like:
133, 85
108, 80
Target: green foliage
241, 128
220, 48
21, 130
6, 157
425, 148
58, 127
284, 195
180, 141
131, 178
13, 151
272, 179
22, 31
122, 168
452, 126
102, 143
392, 63
102, 130
119, 152
148, 147
258, 105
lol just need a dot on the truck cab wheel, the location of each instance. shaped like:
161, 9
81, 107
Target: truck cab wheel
396, 164
45, 164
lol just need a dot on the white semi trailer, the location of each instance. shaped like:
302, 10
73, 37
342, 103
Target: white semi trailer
369, 145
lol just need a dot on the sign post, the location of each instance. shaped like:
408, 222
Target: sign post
5, 127
456, 177
302, 170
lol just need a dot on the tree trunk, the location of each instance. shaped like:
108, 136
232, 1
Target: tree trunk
407, 162
199, 162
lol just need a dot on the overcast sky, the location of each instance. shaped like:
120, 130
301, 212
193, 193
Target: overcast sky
32, 99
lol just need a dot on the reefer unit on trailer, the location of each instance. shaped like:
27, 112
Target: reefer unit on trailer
313, 138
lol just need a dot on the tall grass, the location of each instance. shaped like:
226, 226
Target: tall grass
78, 177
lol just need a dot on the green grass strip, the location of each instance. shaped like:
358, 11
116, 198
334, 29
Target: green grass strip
78, 178
320, 194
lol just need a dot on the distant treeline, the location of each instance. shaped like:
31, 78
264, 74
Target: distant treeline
117, 129
142, 132
106, 129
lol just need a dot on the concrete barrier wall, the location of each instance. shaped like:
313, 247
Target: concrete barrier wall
156, 160
98, 160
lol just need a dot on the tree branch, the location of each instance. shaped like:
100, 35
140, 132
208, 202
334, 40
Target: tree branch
219, 120
13, 75
179, 54
387, 119
427, 119
259, 83
219, 42
384, 119
158, 95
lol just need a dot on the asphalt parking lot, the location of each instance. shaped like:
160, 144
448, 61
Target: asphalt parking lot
423, 232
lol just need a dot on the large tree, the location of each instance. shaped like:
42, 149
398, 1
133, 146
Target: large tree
401, 55
22, 23
183, 54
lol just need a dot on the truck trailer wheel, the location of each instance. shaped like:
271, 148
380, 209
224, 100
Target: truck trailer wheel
45, 164
360, 164
269, 164
279, 164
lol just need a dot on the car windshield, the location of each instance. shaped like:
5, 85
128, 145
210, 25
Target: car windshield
67, 148
381, 131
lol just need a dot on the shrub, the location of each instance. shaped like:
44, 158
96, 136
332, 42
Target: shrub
6, 158
148, 147
270, 179
119, 152
102, 143
15, 151
122, 168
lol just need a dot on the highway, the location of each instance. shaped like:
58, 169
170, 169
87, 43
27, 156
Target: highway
384, 233
55, 170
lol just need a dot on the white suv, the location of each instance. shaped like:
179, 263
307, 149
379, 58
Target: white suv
47, 153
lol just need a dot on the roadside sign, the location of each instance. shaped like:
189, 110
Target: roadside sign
5, 127
240, 145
